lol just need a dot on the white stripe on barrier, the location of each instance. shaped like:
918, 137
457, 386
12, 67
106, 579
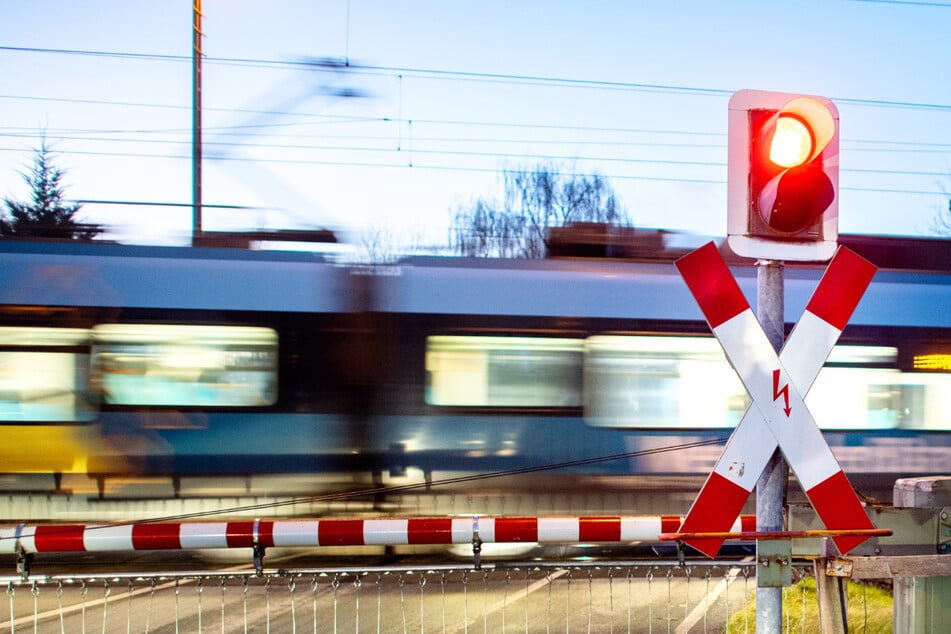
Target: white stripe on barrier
102, 538
487, 529
26, 540
642, 529
204, 535
384, 532
462, 530
300, 533
558, 529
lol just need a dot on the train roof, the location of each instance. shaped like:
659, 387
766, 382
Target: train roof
123, 276
649, 288
912, 287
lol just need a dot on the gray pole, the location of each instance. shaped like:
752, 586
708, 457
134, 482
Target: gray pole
196, 121
771, 487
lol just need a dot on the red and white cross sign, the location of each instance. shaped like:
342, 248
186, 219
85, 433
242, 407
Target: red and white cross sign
777, 384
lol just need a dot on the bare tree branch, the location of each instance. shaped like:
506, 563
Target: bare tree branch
534, 202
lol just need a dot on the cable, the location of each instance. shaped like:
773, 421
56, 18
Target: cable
475, 153
893, 146
143, 203
910, 2
326, 65
494, 170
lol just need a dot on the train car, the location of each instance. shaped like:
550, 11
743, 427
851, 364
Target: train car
120, 361
509, 365
169, 361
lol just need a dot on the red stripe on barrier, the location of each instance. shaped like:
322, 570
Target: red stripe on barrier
240, 534
156, 536
716, 508
712, 285
669, 523
599, 529
340, 532
430, 531
65, 538
747, 523
841, 288
266, 533
838, 507
516, 529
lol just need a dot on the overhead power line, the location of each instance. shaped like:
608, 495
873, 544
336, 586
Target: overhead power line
302, 118
917, 3
416, 165
462, 152
336, 66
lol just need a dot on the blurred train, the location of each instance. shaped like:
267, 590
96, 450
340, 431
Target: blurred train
120, 361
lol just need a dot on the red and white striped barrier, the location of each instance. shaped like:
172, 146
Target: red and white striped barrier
778, 416
339, 532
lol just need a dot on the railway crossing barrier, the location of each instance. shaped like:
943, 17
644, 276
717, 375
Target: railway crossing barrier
610, 597
24, 540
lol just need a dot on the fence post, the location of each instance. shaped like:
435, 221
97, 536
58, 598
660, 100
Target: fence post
918, 600
831, 592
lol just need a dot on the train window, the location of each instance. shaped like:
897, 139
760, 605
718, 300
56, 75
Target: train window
651, 381
476, 371
927, 401
879, 395
43, 374
185, 366
669, 382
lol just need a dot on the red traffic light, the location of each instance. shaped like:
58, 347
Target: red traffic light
783, 176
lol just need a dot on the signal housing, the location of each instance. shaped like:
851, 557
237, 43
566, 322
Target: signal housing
783, 179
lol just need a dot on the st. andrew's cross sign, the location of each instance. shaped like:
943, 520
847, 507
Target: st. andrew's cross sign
777, 385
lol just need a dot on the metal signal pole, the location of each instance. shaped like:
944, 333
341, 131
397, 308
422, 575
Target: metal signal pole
771, 487
196, 121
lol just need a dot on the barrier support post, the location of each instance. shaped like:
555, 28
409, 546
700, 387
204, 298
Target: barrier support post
832, 579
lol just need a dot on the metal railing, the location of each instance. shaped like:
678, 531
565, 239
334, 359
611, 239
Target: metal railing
526, 597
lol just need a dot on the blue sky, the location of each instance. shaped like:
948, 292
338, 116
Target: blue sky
453, 93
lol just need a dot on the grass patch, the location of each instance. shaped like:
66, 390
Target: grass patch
869, 609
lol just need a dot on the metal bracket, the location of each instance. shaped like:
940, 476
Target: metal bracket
476, 544
24, 559
944, 531
258, 558
838, 567
258, 549
773, 563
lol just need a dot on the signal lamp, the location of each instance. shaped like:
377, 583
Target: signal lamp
783, 176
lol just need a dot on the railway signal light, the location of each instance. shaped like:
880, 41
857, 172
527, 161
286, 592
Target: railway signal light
783, 176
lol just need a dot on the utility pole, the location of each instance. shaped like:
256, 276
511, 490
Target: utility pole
196, 122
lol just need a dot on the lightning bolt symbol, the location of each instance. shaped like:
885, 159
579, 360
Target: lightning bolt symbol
784, 392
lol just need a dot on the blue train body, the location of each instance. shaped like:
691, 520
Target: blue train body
180, 362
